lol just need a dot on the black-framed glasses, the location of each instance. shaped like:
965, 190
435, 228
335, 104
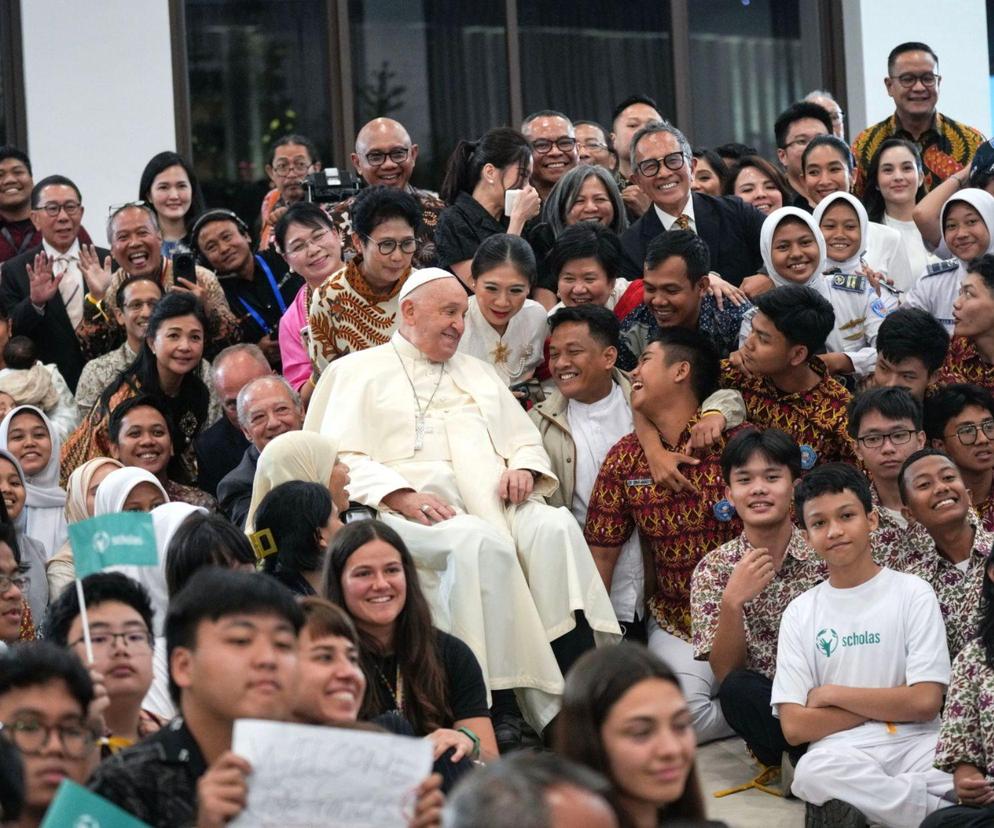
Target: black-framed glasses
967, 434
30, 737
908, 79
22, 582
135, 640
72, 208
898, 437
543, 145
377, 158
298, 165
387, 246
136, 305
672, 161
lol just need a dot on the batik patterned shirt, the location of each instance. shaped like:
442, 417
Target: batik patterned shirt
898, 546
801, 569
679, 528
967, 733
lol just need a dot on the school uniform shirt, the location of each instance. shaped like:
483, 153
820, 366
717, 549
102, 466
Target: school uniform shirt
514, 354
886, 632
965, 364
895, 544
967, 733
801, 570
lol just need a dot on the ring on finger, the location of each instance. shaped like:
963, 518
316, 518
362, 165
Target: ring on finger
425, 508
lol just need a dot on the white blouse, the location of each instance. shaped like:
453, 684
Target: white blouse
517, 353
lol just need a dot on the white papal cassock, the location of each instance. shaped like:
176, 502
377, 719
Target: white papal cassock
505, 579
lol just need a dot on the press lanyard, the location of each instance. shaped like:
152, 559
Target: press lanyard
276, 292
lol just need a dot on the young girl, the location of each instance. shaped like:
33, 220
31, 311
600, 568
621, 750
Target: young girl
30, 552
503, 326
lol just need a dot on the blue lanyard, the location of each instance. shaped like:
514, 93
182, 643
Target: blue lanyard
276, 292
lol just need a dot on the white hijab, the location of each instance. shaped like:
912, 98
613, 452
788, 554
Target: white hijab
116, 486
853, 263
44, 517
981, 201
766, 243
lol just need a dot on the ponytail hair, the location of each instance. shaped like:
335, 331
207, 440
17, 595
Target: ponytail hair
501, 147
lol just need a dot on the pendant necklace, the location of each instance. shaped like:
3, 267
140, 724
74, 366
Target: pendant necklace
419, 420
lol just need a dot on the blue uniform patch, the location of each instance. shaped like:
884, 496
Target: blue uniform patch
878, 307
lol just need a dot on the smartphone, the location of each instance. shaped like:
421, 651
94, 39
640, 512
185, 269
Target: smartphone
355, 513
510, 199
184, 264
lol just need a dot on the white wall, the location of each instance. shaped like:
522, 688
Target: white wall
959, 37
99, 87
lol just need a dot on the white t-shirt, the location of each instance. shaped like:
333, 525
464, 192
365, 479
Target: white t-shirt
886, 632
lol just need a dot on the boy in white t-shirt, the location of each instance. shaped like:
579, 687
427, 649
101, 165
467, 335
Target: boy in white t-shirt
861, 667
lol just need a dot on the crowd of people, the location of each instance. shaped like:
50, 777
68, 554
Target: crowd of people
609, 447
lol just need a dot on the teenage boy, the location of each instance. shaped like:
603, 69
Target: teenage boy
676, 372
936, 497
739, 591
861, 669
959, 421
911, 347
886, 424
231, 643
120, 615
972, 349
782, 383
45, 695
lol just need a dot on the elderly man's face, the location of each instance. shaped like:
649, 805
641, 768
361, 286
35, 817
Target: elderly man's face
551, 161
434, 317
135, 244
235, 372
269, 412
384, 154
668, 188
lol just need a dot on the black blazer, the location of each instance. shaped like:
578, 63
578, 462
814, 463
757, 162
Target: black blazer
52, 332
220, 449
728, 225
234, 492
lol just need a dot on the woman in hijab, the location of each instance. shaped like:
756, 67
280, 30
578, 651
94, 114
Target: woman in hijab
967, 223
130, 489
29, 436
13, 490
81, 493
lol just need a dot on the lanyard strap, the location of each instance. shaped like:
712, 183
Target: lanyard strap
276, 293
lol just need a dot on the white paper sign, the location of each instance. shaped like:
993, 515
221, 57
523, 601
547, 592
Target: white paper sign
304, 776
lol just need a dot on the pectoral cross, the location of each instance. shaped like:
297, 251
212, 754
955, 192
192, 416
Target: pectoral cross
420, 429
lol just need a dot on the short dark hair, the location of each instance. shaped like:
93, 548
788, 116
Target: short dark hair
910, 46
308, 214
505, 248
587, 240
129, 281
20, 353
800, 313
683, 243
10, 151
603, 325
734, 151
295, 512
949, 401
686, 345
323, 618
631, 100
913, 332
892, 403
775, 445
52, 181
98, 588
34, 663
213, 593
544, 113
213, 216
798, 112
299, 140
831, 478
765, 167
604, 132
116, 419
983, 266
928, 451
376, 205
201, 541
837, 144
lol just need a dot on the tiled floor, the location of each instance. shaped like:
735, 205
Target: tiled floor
725, 764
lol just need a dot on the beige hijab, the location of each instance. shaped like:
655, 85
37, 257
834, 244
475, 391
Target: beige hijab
295, 455
79, 483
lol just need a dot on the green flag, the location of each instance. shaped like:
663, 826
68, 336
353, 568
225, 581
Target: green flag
77, 807
121, 538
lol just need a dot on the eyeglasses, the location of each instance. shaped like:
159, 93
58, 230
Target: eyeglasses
318, 239
387, 246
30, 737
838, 116
927, 79
137, 304
593, 144
377, 158
22, 582
563, 143
298, 165
898, 438
135, 640
651, 166
967, 434
72, 208
800, 143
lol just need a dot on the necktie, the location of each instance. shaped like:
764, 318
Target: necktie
683, 221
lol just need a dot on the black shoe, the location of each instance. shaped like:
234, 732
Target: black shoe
833, 814
510, 732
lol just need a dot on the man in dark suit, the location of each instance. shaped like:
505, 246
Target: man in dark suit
46, 290
663, 167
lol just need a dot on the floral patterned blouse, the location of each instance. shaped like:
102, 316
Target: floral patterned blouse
967, 733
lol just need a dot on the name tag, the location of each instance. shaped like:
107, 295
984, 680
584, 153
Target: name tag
639, 482
852, 282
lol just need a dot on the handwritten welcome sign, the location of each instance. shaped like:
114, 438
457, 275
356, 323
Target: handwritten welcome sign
305, 775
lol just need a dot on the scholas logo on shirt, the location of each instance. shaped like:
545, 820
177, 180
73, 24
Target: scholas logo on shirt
827, 640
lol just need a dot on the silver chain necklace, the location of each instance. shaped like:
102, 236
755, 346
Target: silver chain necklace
419, 420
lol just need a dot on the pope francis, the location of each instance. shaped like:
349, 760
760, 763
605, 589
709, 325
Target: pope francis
439, 445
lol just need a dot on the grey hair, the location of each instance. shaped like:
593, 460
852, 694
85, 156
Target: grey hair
243, 395
567, 190
652, 128
250, 350
547, 113
511, 793
137, 205
819, 93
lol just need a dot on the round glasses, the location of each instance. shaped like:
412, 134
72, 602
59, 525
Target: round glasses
30, 737
72, 208
650, 166
564, 144
387, 246
897, 437
22, 582
137, 641
967, 434
377, 158
927, 79
298, 165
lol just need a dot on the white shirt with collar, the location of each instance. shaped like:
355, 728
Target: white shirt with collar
72, 288
669, 221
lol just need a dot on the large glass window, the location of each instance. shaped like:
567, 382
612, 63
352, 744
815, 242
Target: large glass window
257, 70
437, 66
583, 58
745, 68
